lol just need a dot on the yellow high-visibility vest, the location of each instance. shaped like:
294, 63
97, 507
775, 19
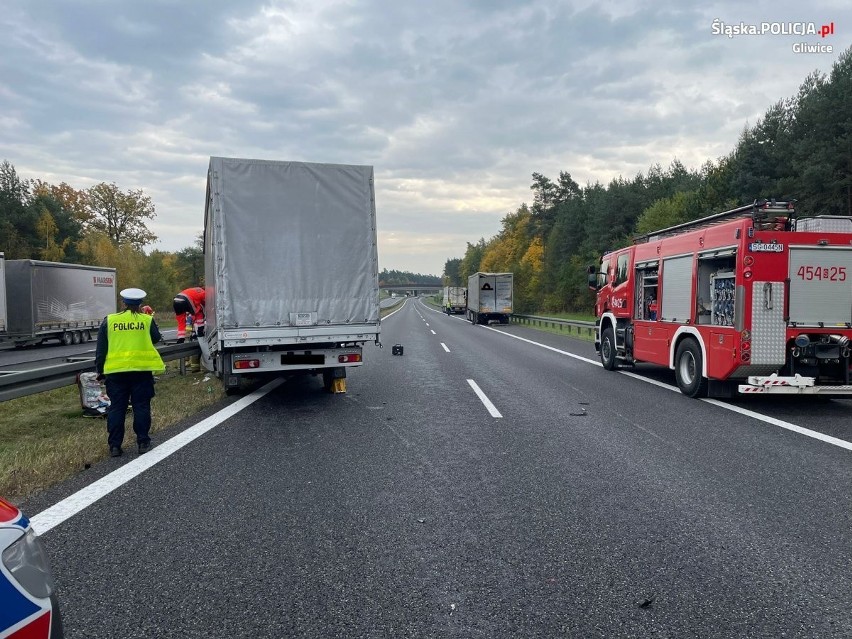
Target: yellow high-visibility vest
129, 344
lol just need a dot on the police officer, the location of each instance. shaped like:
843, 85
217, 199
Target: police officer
126, 356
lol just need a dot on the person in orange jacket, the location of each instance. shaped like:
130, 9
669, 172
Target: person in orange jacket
190, 300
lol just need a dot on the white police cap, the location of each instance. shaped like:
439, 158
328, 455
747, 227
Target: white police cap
132, 296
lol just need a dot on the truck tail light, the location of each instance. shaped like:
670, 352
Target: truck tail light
348, 359
241, 364
746, 346
746, 356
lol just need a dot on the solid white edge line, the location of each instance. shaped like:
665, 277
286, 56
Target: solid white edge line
550, 348
73, 504
484, 399
828, 439
445, 347
396, 311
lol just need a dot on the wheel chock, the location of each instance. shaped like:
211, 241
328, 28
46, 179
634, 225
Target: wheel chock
338, 386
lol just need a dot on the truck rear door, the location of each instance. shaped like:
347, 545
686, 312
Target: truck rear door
820, 285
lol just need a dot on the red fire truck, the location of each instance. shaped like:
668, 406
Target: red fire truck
752, 300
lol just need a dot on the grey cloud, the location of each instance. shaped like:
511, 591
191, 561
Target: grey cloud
455, 103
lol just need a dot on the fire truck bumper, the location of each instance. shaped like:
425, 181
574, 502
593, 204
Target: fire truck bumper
795, 385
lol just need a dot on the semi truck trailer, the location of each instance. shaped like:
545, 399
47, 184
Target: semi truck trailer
489, 297
46, 301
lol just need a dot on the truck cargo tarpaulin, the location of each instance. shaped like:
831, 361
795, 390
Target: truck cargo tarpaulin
291, 268
302, 230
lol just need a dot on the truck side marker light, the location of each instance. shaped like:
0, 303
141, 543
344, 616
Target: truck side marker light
748, 260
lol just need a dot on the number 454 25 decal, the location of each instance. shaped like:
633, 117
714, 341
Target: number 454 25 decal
823, 273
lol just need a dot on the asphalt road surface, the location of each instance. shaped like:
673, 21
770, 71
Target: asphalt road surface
479, 485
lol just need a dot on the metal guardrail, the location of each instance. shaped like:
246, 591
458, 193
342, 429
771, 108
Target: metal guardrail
37, 380
569, 326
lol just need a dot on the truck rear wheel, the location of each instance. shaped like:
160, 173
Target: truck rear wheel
67, 338
608, 349
689, 365
76, 337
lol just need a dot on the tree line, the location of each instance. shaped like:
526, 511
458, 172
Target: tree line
800, 149
105, 226
404, 278
99, 226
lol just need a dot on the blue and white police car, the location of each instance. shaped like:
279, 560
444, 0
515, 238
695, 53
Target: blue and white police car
28, 604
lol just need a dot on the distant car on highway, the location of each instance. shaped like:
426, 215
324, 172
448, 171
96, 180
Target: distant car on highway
28, 604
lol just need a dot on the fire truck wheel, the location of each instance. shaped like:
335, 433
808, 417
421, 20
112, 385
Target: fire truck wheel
608, 349
688, 368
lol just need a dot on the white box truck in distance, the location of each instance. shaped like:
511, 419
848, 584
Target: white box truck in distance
489, 297
455, 299
291, 268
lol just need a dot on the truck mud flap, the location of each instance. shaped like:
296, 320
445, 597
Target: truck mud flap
206, 362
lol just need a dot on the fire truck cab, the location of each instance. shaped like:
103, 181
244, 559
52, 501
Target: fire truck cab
752, 300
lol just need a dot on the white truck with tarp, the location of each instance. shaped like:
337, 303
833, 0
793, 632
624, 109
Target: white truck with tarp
489, 297
55, 301
455, 299
291, 269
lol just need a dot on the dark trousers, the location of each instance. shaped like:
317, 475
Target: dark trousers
182, 305
138, 388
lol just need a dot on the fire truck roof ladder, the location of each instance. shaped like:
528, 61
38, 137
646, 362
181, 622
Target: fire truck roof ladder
759, 211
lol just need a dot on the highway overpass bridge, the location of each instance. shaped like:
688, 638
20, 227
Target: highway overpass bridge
411, 289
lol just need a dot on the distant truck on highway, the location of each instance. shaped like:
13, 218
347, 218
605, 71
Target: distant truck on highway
41, 301
489, 297
455, 299
291, 269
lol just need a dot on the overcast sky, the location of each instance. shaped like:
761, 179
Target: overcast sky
455, 103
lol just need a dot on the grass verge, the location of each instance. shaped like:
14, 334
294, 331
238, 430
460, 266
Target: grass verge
44, 438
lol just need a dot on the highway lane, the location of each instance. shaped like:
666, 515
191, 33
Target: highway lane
596, 505
830, 417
